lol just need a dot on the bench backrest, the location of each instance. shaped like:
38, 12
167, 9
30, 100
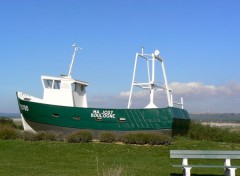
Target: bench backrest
208, 154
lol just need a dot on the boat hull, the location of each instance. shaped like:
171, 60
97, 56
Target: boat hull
44, 117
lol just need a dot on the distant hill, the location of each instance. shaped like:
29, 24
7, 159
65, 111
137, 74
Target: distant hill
11, 115
215, 117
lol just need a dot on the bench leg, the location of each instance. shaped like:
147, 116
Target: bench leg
187, 171
229, 171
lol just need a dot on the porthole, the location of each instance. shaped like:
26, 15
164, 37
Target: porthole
122, 119
76, 117
55, 115
98, 118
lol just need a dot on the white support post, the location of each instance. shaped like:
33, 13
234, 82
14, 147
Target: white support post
152, 89
170, 103
229, 171
186, 169
133, 79
182, 102
185, 161
171, 96
227, 162
148, 70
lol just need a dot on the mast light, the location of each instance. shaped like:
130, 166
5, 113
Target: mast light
157, 52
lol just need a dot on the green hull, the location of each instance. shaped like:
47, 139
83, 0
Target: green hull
52, 117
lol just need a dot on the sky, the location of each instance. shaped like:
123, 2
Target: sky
199, 41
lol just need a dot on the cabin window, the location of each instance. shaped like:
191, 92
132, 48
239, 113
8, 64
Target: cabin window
74, 87
48, 83
57, 84
82, 88
78, 87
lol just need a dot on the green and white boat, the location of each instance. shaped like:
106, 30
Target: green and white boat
64, 106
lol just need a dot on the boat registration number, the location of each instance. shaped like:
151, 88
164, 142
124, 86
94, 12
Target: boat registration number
24, 107
103, 114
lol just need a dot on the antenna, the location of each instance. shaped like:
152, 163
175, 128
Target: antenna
73, 57
142, 50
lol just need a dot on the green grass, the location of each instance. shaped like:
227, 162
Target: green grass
37, 158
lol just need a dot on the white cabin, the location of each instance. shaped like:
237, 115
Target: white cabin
64, 91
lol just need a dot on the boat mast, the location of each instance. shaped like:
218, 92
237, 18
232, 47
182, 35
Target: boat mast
169, 96
133, 80
151, 85
73, 57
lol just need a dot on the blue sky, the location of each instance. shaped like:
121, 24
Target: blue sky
199, 41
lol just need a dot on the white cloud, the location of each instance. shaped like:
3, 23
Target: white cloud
197, 88
198, 97
137, 94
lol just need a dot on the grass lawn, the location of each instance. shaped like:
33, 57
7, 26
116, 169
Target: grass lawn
25, 158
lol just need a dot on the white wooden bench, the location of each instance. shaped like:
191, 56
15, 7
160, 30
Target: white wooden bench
229, 170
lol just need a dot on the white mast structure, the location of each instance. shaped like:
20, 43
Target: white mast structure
73, 57
151, 84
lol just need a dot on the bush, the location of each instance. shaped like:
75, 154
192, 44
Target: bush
49, 136
134, 138
79, 136
7, 122
146, 138
197, 131
107, 137
28, 136
20, 127
8, 132
157, 139
41, 136
131, 138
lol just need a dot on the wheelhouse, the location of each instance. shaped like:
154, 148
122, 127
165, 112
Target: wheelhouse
64, 91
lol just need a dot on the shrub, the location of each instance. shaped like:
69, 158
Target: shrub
157, 139
20, 127
7, 122
140, 138
79, 136
49, 136
198, 131
146, 138
129, 138
41, 136
8, 132
107, 137
28, 136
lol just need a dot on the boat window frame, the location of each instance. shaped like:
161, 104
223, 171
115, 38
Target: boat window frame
57, 84
82, 88
48, 83
74, 87
77, 86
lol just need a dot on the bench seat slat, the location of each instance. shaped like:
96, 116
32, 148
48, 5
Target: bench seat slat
207, 156
205, 166
210, 154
